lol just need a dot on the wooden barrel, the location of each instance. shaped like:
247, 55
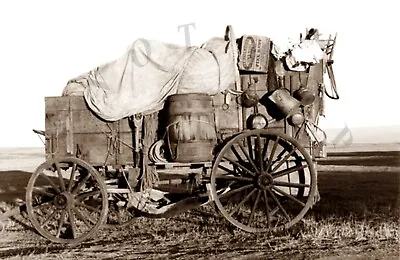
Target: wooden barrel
190, 127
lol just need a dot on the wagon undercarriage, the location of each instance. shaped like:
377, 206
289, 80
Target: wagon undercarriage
260, 181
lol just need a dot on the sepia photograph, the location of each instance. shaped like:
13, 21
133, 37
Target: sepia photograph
199, 130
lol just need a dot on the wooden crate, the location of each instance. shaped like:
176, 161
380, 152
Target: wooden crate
72, 129
254, 53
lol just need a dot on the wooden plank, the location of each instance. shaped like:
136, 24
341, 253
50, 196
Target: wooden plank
85, 122
170, 165
78, 103
71, 126
259, 82
56, 104
117, 190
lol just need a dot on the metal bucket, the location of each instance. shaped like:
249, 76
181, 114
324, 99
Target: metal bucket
191, 131
287, 104
304, 95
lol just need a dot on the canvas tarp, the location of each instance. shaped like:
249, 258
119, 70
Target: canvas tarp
141, 80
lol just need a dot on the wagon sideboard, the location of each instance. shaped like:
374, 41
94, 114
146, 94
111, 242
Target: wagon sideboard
71, 128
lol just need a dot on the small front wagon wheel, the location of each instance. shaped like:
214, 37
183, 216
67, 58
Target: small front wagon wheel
263, 180
66, 200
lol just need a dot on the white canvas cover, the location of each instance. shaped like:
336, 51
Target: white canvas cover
141, 80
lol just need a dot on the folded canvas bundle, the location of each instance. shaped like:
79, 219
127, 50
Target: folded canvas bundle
141, 80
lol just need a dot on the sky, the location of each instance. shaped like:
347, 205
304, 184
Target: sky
45, 43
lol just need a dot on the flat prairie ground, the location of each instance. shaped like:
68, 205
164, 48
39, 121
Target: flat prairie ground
356, 218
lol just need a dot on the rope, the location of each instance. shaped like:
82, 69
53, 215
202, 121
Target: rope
178, 122
328, 66
154, 152
312, 131
111, 136
334, 94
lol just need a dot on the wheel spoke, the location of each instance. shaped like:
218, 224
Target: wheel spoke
236, 153
234, 178
61, 222
254, 208
263, 171
44, 205
279, 156
71, 178
59, 195
72, 223
87, 217
60, 177
291, 184
284, 159
240, 166
265, 149
260, 154
248, 157
249, 147
271, 156
51, 182
242, 202
267, 208
279, 204
90, 208
82, 217
227, 170
80, 184
234, 191
289, 196
50, 216
288, 171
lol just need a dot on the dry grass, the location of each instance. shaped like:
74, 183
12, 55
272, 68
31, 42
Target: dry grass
203, 233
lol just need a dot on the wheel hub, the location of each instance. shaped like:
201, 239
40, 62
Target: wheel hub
264, 181
62, 200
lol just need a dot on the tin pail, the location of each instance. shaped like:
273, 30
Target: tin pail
284, 101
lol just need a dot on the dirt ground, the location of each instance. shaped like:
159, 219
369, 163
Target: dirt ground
344, 179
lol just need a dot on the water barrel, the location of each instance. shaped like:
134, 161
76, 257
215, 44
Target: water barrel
191, 130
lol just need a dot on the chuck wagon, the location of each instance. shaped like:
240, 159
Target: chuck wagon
249, 150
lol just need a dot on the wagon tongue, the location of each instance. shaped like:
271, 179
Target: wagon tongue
163, 204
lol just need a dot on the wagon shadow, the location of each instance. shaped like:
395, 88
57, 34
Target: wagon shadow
12, 195
13, 186
359, 195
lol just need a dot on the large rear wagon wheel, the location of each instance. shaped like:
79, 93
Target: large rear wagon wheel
66, 200
263, 180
